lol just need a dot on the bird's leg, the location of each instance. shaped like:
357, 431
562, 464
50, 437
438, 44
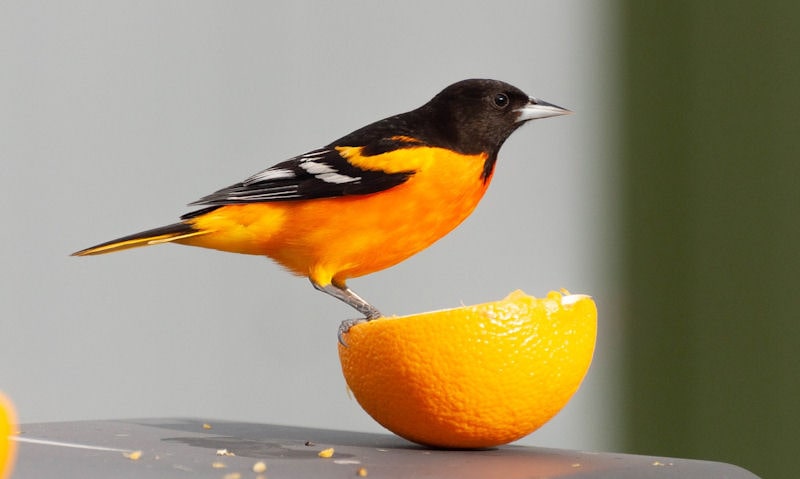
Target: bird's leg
345, 294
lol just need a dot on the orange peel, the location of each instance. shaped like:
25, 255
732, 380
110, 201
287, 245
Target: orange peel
8, 428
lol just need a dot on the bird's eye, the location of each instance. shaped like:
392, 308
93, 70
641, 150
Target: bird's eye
501, 100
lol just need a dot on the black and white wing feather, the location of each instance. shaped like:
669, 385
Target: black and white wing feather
321, 173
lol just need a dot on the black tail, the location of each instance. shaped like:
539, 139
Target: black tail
164, 234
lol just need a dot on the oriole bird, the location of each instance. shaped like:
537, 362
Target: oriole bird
366, 201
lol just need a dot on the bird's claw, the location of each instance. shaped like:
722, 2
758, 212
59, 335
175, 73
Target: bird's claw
345, 326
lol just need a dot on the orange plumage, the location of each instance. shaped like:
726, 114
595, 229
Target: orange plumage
368, 233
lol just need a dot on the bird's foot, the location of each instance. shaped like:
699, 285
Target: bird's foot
345, 326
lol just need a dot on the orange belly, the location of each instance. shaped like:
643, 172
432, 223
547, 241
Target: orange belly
333, 239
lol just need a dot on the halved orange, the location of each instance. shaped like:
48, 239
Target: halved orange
475, 376
8, 427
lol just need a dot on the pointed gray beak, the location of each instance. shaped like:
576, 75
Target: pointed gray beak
537, 108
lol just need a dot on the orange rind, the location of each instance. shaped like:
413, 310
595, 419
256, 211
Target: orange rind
8, 428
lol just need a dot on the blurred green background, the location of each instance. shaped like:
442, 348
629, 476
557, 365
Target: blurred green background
711, 230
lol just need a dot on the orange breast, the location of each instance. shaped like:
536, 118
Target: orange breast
333, 239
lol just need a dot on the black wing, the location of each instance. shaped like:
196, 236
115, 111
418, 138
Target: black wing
321, 173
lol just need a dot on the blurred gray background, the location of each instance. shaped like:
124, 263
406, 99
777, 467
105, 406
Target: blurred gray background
116, 114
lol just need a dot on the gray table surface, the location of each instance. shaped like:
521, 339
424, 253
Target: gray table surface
175, 448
